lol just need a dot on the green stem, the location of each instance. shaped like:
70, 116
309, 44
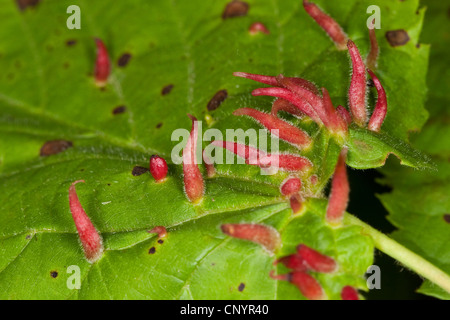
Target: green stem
403, 255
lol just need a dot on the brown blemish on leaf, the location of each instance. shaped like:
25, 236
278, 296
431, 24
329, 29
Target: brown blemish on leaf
217, 100
166, 89
397, 37
66, 65
23, 4
160, 241
124, 59
447, 217
235, 8
53, 274
119, 110
361, 145
152, 250
138, 170
54, 147
28, 237
241, 287
159, 125
71, 42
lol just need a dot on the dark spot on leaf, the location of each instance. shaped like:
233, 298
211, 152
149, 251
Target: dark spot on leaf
53, 274
28, 237
217, 100
447, 217
102, 88
241, 287
49, 47
124, 59
167, 89
119, 110
235, 8
160, 241
109, 184
66, 65
397, 37
81, 170
152, 250
54, 147
159, 125
418, 45
71, 42
213, 264
138, 170
23, 4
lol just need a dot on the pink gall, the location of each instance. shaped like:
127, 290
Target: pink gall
89, 236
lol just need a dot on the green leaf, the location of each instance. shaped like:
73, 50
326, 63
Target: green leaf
419, 204
47, 93
369, 149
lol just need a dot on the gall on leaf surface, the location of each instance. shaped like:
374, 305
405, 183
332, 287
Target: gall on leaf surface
36, 106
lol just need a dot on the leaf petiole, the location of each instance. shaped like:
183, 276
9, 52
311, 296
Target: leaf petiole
403, 255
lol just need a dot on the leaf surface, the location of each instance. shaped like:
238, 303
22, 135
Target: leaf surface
47, 93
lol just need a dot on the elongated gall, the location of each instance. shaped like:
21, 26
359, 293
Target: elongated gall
315, 261
294, 262
372, 57
380, 110
349, 293
357, 90
286, 131
286, 106
344, 114
192, 177
210, 170
295, 202
307, 285
253, 156
89, 236
264, 235
340, 190
102, 64
331, 27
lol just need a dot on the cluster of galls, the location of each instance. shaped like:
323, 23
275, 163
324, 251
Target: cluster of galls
295, 96
307, 260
